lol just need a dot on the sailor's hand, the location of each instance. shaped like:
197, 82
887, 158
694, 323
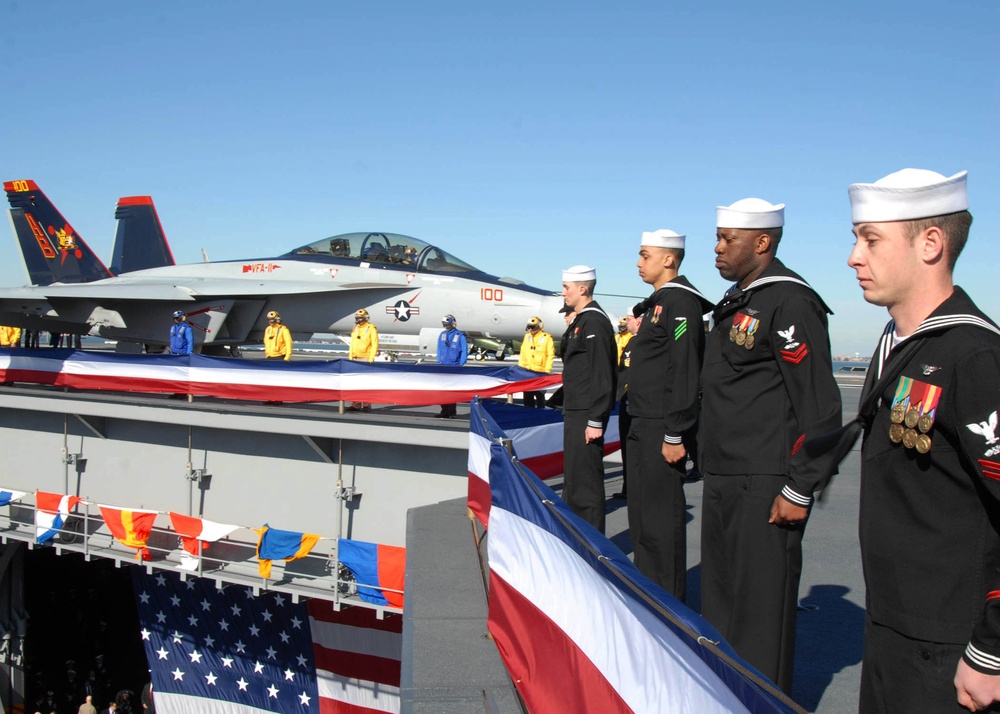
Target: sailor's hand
673, 453
592, 434
976, 691
786, 513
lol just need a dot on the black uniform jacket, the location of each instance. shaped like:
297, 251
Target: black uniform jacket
762, 392
929, 521
590, 364
666, 358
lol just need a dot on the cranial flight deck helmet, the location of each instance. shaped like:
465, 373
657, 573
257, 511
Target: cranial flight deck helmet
623, 324
178, 314
535, 323
273, 315
448, 321
361, 316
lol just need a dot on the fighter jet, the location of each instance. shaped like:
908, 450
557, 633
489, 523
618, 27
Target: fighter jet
406, 284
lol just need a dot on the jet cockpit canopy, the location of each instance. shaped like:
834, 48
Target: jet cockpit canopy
387, 249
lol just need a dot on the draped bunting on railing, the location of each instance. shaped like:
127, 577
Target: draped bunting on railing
261, 380
578, 627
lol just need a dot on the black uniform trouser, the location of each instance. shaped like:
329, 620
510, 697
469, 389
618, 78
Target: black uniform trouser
656, 509
624, 425
899, 674
583, 467
535, 399
750, 572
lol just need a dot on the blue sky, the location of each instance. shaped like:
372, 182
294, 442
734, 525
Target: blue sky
522, 137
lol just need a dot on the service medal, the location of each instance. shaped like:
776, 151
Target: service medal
741, 338
909, 438
732, 333
896, 433
750, 342
925, 423
898, 412
923, 443
911, 418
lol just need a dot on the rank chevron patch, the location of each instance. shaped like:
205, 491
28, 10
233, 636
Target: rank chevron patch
680, 328
797, 355
991, 469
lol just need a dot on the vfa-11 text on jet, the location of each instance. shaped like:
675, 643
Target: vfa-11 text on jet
406, 284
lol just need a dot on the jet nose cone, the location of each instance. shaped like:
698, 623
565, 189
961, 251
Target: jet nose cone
549, 312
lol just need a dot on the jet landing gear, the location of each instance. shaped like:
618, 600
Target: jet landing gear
499, 354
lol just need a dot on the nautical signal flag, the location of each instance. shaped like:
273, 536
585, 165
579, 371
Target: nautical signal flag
550, 572
193, 530
130, 527
375, 568
281, 545
7, 497
51, 512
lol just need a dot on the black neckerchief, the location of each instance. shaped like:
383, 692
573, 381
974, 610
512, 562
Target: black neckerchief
737, 297
679, 282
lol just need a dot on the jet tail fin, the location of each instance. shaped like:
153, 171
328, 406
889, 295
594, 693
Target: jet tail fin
140, 242
53, 252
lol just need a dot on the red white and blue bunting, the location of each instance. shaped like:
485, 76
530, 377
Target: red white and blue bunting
260, 380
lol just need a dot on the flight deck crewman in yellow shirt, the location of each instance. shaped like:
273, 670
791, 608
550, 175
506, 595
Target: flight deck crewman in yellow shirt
10, 336
623, 337
277, 338
537, 353
364, 347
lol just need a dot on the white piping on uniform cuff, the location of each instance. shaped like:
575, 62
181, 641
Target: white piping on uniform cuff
595, 425
797, 498
986, 661
672, 439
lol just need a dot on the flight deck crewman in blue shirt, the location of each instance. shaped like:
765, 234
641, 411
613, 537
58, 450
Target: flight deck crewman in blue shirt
452, 349
181, 335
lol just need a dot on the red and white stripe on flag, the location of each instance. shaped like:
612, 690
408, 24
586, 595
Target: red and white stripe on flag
538, 436
556, 621
479, 476
358, 659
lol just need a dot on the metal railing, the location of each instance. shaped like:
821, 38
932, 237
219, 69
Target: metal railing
230, 560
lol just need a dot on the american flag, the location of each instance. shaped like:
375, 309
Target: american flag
228, 651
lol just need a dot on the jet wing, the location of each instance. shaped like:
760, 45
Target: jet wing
177, 290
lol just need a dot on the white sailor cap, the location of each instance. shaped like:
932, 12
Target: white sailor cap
662, 238
750, 213
579, 274
908, 195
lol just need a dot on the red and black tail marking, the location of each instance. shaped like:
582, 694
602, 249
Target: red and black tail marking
140, 242
52, 250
